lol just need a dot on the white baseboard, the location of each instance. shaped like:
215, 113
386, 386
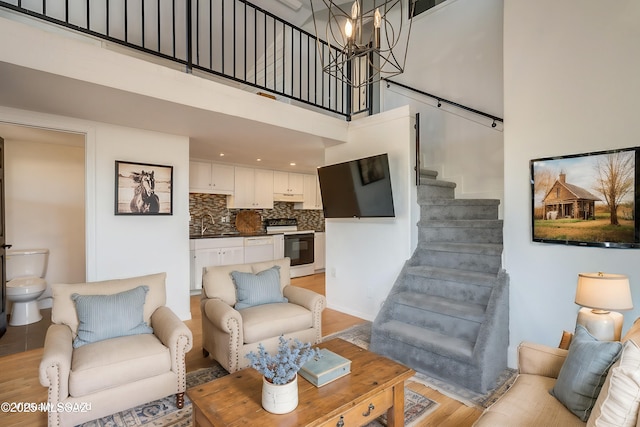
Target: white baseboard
350, 312
302, 270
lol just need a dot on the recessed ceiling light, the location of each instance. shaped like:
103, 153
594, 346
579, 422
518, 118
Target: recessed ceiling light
258, 160
292, 164
221, 154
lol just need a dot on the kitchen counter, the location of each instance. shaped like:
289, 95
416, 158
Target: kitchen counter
226, 235
229, 249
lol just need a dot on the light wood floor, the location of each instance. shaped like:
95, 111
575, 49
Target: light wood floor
19, 372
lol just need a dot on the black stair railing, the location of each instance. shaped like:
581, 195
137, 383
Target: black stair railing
446, 101
233, 39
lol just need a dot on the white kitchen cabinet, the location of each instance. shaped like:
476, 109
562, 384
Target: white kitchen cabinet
192, 266
210, 252
319, 251
243, 195
263, 189
253, 189
312, 196
212, 178
278, 246
288, 187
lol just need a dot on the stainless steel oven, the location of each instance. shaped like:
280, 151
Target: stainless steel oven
298, 244
299, 247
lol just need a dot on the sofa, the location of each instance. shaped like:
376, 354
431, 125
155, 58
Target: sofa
245, 305
112, 345
551, 383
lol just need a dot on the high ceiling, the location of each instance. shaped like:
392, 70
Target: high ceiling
296, 12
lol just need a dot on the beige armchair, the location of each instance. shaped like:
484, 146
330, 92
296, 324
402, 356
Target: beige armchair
107, 376
229, 334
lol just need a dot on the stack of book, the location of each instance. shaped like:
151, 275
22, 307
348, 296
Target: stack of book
326, 368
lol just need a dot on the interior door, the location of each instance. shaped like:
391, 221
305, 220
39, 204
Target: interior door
3, 248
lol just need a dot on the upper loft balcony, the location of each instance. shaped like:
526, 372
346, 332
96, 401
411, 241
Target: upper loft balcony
233, 42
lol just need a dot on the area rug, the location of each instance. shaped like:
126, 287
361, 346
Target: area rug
159, 413
416, 409
359, 335
466, 396
164, 413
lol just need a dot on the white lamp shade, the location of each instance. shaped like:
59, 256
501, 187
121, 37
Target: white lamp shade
602, 291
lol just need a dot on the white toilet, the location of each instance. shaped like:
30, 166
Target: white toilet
25, 283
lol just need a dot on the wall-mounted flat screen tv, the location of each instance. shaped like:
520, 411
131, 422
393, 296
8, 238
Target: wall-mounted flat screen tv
357, 189
589, 199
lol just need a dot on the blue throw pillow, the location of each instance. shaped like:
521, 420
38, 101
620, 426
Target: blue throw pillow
257, 289
109, 316
584, 371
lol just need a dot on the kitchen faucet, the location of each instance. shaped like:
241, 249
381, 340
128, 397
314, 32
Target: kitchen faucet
202, 226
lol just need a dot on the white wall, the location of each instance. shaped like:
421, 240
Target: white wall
44, 199
365, 256
125, 246
456, 52
571, 86
133, 245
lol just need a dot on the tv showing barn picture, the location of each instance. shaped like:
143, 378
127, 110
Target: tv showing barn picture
588, 199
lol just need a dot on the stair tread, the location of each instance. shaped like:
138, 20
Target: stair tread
436, 183
428, 339
467, 223
481, 248
454, 275
437, 304
428, 173
461, 202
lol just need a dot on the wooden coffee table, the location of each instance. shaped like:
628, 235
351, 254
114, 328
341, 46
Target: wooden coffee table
374, 386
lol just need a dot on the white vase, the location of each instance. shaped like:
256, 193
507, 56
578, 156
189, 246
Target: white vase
280, 399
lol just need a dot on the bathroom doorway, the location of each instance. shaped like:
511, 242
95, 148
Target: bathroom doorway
3, 247
44, 208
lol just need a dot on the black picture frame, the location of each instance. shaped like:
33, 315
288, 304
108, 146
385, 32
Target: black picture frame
143, 188
572, 195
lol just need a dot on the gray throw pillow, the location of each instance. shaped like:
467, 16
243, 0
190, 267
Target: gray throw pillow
584, 371
257, 289
109, 316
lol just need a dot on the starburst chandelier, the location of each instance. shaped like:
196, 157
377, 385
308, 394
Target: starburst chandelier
367, 39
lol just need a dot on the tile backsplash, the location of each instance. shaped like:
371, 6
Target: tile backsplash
200, 205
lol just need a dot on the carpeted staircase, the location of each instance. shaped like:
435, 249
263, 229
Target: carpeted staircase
448, 313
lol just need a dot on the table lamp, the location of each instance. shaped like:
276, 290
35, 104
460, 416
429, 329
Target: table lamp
599, 294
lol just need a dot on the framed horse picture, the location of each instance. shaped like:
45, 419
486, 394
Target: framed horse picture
143, 189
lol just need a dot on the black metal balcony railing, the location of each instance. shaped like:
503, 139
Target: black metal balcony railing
230, 38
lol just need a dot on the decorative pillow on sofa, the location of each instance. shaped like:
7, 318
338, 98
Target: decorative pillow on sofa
584, 371
109, 316
619, 399
257, 289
